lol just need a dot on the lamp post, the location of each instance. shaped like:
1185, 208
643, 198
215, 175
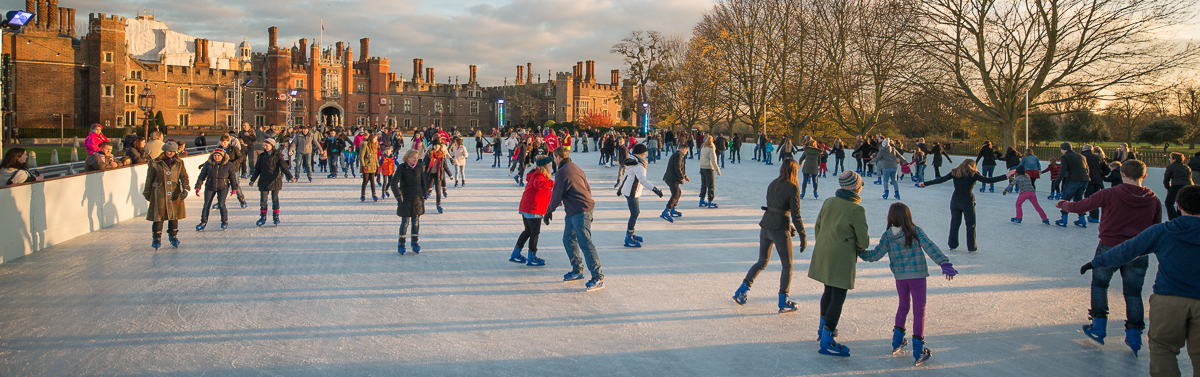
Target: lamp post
13, 21
500, 113
146, 104
645, 118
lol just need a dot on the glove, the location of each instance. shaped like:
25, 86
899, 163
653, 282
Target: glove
183, 195
197, 191
658, 192
1085, 268
232, 192
546, 219
803, 242
1005, 192
948, 269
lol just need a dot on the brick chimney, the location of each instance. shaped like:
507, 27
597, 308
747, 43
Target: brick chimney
71, 21
591, 71
529, 73
30, 6
199, 55
472, 67
303, 49
616, 77
40, 16
62, 20
429, 75
365, 49
416, 77
520, 79
51, 15
272, 34
341, 51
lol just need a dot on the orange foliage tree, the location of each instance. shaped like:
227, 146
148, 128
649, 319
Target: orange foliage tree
595, 120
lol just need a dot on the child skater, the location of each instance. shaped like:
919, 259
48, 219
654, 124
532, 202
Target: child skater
1114, 178
905, 243
1025, 187
768, 149
387, 167
538, 189
271, 167
408, 186
1054, 182
630, 186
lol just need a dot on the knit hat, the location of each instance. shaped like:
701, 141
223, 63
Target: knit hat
544, 161
1065, 146
639, 149
272, 142
849, 180
170, 147
1020, 170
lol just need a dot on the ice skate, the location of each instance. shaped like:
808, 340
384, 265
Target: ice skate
1097, 330
1081, 222
630, 242
831, 347
374, 198
739, 296
224, 226
1061, 222
802, 194
898, 340
786, 306
516, 256
1133, 339
711, 204
400, 247
416, 248
174, 241
675, 213
666, 215
572, 276
534, 261
920, 353
1046, 221
200, 228
594, 285
1016, 220
439, 209
275, 218
702, 204
362, 198
885, 194
157, 242
261, 219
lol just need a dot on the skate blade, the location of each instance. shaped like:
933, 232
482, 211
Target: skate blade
833, 353
900, 348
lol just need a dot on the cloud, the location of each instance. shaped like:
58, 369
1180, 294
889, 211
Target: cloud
449, 35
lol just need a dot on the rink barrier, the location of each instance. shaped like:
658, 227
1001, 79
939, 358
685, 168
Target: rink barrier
43, 214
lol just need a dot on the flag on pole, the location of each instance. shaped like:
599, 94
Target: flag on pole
322, 24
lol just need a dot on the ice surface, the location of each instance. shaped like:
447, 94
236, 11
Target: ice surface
326, 293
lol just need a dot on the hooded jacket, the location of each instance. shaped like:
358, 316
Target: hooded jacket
269, 171
887, 157
1129, 209
537, 193
1176, 244
634, 179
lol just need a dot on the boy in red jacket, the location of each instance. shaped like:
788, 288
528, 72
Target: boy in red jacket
1129, 209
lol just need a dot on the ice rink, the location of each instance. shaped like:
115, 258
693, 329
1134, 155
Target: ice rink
326, 293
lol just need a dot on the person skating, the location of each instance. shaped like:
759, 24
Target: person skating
538, 188
675, 176
1074, 178
783, 203
962, 201
1175, 302
1024, 186
1177, 176
334, 146
387, 167
368, 160
1055, 183
630, 186
1128, 209
938, 154
269, 172
437, 170
217, 176
708, 165
887, 159
572, 192
987, 158
166, 186
306, 143
841, 230
1097, 170
234, 157
811, 157
408, 187
458, 157
906, 245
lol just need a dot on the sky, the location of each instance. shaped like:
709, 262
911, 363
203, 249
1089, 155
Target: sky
496, 35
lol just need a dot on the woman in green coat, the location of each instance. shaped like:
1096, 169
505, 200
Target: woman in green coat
812, 164
841, 229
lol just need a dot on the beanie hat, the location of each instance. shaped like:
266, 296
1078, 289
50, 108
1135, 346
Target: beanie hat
1065, 146
849, 180
271, 141
1020, 170
639, 149
544, 161
170, 147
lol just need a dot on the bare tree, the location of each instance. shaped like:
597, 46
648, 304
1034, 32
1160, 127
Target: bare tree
1129, 113
741, 33
1187, 101
802, 97
644, 52
997, 51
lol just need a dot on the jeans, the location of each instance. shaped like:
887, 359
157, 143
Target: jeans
333, 164
1133, 276
757, 152
1174, 320
460, 174
721, 157
305, 160
634, 210
533, 228
262, 200
959, 212
1073, 192
782, 242
807, 177
735, 154
920, 173
987, 172
209, 195
889, 175
577, 237
707, 186
404, 225
839, 164
653, 156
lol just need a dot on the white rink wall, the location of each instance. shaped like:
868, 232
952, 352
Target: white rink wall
43, 214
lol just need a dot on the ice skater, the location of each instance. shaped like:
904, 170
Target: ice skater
906, 245
270, 168
811, 157
1024, 186
538, 188
408, 186
783, 204
572, 192
166, 187
1055, 183
217, 176
368, 162
436, 171
708, 166
458, 157
962, 201
630, 186
841, 229
675, 176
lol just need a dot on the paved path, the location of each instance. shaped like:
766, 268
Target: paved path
326, 294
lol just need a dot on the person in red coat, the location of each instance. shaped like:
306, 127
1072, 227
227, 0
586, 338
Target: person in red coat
538, 189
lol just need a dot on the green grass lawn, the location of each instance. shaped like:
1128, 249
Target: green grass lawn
64, 154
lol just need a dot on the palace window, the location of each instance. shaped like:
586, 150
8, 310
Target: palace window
407, 105
260, 120
362, 106
260, 100
474, 107
184, 93
183, 120
299, 84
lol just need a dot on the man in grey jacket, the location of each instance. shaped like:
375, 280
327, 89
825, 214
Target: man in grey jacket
571, 190
887, 160
305, 143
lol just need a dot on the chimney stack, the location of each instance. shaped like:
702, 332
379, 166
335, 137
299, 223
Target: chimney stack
199, 55
62, 20
591, 71
207, 57
429, 75
616, 77
472, 74
51, 15
30, 6
303, 49
416, 77
529, 73
272, 33
71, 21
341, 51
520, 75
39, 17
365, 47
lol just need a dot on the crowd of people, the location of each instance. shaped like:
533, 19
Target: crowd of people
1129, 215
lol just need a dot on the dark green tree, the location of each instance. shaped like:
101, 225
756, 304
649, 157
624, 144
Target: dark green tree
1168, 130
1084, 126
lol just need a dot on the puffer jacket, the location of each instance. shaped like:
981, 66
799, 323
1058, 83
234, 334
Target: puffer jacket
536, 197
408, 186
269, 171
217, 176
634, 178
887, 157
812, 160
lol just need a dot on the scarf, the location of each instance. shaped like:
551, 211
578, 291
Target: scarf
848, 195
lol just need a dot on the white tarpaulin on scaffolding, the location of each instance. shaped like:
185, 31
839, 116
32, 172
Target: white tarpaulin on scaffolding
149, 40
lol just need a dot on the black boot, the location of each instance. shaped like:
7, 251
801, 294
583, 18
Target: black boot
275, 217
416, 248
157, 240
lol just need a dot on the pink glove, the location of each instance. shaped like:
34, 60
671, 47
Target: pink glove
197, 191
232, 192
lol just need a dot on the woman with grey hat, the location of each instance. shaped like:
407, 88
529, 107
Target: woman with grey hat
630, 186
841, 230
166, 187
271, 167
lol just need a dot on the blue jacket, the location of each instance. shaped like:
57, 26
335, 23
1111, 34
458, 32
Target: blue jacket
1176, 244
907, 262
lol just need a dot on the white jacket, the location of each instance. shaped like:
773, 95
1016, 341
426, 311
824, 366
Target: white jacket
459, 155
708, 160
510, 143
634, 180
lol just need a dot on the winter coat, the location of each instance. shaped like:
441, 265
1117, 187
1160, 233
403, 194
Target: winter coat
1011, 160
812, 160
783, 201
907, 261
938, 153
887, 157
1128, 210
1176, 244
269, 171
408, 186
676, 169
216, 176
235, 155
634, 178
459, 155
369, 159
93, 141
1097, 169
306, 143
1023, 184
1072, 168
571, 190
436, 170
1177, 174
166, 187
1031, 163
964, 186
987, 156
841, 229
537, 193
137, 156
708, 160
98, 161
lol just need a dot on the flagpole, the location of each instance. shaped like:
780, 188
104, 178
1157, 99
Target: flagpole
322, 33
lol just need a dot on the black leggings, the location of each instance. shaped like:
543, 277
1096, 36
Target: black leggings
783, 243
707, 186
831, 306
416, 226
533, 227
172, 228
1172, 193
368, 178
